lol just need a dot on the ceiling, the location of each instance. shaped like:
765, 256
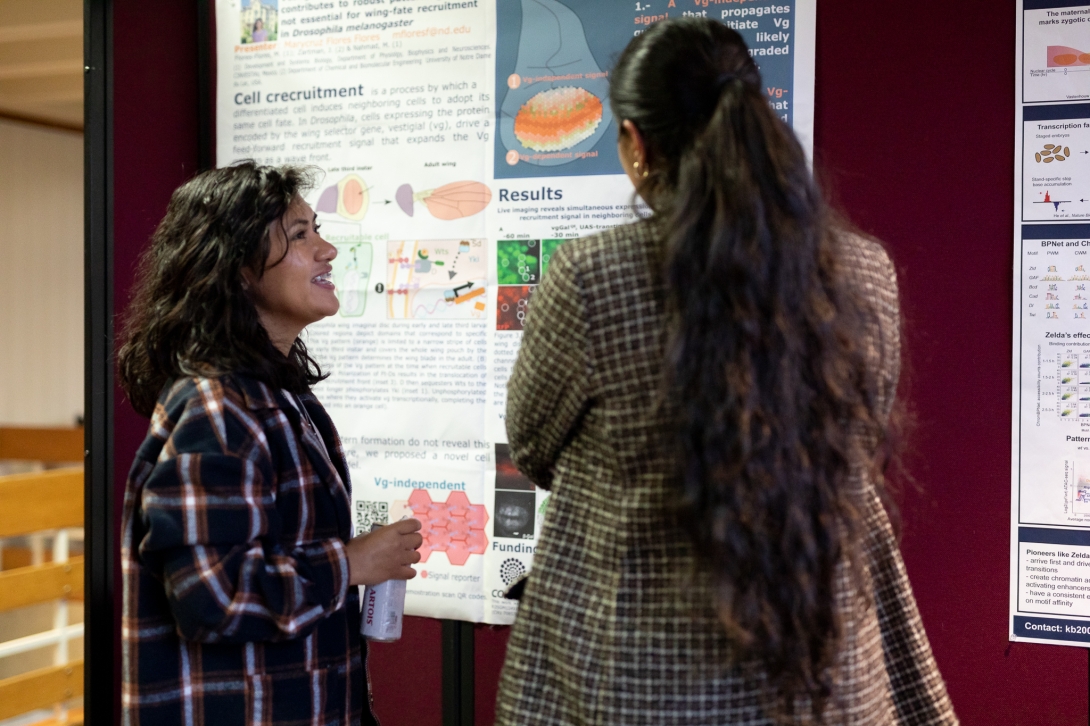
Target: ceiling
41, 61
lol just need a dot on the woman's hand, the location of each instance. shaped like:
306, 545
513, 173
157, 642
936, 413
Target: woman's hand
385, 554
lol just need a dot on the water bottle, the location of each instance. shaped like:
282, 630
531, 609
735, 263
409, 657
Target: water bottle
383, 607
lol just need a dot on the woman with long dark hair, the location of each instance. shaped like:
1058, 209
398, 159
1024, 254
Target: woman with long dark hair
707, 393
238, 559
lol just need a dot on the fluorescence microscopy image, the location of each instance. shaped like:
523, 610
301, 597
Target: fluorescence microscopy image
512, 303
507, 474
518, 262
513, 515
548, 249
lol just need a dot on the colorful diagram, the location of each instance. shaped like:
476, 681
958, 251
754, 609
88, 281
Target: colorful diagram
558, 119
1062, 56
350, 198
448, 202
553, 110
352, 276
454, 527
441, 279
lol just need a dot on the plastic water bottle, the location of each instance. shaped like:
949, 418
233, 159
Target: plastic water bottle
383, 608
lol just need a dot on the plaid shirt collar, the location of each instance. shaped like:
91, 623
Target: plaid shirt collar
259, 396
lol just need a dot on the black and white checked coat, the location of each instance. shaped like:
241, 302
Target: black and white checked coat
237, 607
614, 627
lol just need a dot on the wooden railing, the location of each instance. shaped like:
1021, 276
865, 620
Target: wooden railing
32, 504
41, 444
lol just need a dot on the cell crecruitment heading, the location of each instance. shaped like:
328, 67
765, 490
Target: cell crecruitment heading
311, 94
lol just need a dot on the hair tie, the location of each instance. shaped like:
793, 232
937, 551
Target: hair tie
724, 80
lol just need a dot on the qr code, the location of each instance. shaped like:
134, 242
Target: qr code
370, 513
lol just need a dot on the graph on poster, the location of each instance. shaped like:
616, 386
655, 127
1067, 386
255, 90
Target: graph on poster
1055, 53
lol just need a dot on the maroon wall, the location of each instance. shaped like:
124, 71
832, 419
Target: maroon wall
155, 149
915, 127
914, 132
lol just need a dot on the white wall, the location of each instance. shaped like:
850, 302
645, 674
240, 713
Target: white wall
41, 275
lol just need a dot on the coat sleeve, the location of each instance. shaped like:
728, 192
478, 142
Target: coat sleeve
211, 526
890, 333
919, 693
550, 387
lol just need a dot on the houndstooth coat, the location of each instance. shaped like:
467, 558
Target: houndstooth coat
617, 624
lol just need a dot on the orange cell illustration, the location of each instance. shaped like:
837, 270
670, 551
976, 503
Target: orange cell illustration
352, 196
1062, 56
558, 119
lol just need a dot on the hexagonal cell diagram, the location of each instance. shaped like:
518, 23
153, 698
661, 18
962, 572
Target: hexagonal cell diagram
454, 527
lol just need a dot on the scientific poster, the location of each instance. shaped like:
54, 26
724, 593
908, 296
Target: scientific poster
1050, 482
462, 142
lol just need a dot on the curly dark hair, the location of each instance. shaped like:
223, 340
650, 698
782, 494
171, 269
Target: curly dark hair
773, 400
190, 315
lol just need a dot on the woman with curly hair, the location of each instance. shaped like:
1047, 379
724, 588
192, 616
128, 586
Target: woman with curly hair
707, 393
238, 559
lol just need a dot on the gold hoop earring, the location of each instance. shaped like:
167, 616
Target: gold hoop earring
636, 166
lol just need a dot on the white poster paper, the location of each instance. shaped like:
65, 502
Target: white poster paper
462, 142
1050, 484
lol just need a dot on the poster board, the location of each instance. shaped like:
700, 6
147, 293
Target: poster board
448, 186
1050, 485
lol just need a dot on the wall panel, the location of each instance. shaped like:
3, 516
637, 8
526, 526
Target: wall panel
41, 275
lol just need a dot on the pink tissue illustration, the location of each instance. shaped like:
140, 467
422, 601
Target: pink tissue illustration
454, 527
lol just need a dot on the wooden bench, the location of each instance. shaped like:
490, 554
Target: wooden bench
44, 501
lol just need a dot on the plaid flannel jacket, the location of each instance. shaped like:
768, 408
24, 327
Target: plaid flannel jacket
617, 624
237, 608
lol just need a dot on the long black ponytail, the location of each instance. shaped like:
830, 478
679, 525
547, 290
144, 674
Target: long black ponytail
773, 402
